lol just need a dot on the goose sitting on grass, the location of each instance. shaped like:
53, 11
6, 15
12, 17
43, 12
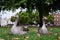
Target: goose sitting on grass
18, 29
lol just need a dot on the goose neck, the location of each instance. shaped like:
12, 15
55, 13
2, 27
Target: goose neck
15, 23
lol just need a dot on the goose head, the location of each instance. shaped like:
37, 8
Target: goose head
15, 23
44, 18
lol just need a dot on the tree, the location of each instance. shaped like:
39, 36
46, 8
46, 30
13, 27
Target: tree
50, 18
26, 18
36, 17
23, 18
43, 6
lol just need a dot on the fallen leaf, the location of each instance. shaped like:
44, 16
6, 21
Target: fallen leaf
38, 34
27, 37
1, 39
58, 38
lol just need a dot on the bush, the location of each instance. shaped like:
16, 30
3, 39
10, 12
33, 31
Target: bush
23, 18
13, 19
50, 18
28, 18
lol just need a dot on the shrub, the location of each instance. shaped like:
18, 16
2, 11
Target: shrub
13, 19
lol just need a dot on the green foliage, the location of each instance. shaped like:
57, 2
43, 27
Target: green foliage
23, 18
43, 6
29, 4
13, 19
50, 18
12, 4
37, 19
26, 18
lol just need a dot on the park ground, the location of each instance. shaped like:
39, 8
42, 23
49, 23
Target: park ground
31, 35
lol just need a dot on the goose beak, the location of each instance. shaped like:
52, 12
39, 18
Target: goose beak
45, 17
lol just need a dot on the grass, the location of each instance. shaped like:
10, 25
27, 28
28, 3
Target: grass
32, 34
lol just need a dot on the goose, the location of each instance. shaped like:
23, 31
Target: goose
17, 29
43, 29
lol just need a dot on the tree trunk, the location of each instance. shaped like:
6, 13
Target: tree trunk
41, 22
41, 16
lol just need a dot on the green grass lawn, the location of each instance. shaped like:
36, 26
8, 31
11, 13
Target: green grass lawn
32, 34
